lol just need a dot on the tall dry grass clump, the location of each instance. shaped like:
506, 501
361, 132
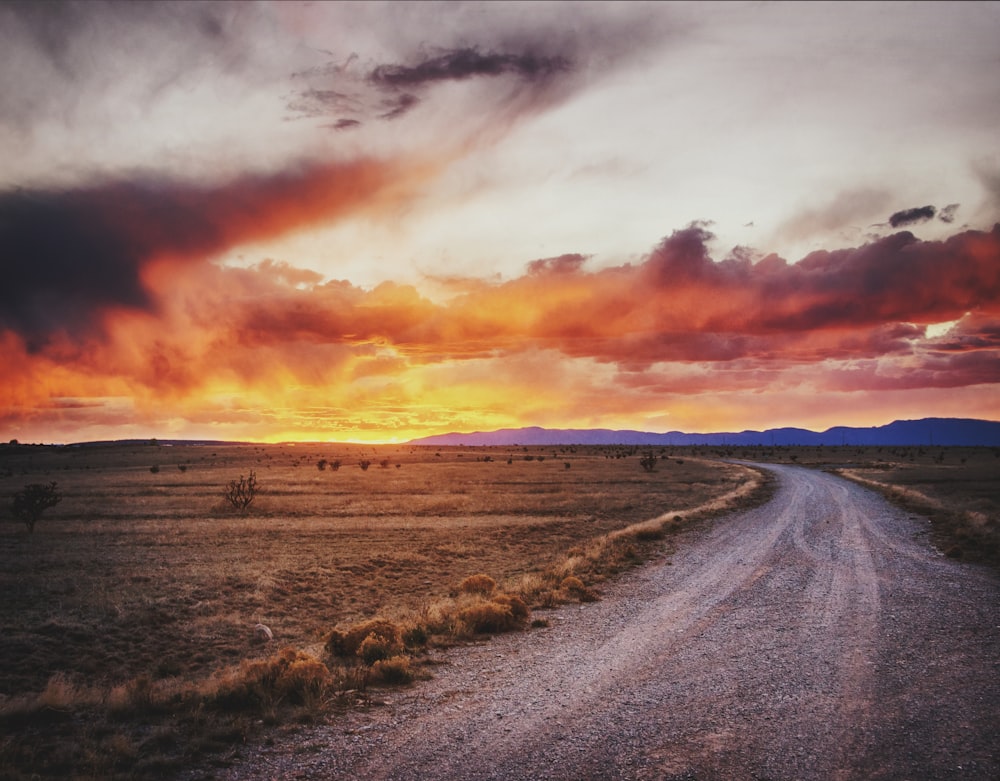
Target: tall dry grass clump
378, 650
291, 676
480, 584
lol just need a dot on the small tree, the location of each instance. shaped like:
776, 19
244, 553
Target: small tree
32, 500
242, 492
648, 462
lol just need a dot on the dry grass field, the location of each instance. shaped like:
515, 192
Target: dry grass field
130, 644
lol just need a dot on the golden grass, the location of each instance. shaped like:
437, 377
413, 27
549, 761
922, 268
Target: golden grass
138, 595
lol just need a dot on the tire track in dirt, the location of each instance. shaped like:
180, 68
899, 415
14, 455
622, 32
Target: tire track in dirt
812, 638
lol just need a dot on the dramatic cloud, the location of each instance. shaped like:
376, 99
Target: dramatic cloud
362, 220
911, 216
65, 256
466, 63
523, 61
390, 91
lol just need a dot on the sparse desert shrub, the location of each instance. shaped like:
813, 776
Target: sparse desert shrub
304, 680
416, 637
487, 617
155, 469
648, 462
290, 675
334, 465
387, 635
375, 648
321, 464
394, 670
575, 588
478, 584
241, 493
519, 610
384, 463
572, 583
364, 465
34, 499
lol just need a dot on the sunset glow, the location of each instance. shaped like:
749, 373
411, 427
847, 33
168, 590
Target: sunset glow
375, 222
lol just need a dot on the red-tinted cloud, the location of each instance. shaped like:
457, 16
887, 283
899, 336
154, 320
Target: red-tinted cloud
675, 325
68, 256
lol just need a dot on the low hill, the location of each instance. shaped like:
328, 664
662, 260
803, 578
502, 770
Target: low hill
963, 432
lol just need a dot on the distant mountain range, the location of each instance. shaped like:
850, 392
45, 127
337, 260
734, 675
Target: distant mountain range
963, 432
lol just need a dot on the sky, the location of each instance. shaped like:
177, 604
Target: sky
370, 222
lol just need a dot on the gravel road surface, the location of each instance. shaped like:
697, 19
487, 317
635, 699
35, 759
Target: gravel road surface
817, 637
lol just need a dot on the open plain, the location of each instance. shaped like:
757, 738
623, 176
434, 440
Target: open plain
135, 600
132, 608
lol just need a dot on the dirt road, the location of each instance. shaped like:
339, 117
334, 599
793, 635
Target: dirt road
818, 637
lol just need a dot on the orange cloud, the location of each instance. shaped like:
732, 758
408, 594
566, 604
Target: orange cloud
273, 351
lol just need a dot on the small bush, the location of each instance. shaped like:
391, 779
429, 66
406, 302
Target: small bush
394, 671
364, 465
519, 610
241, 493
483, 585
575, 588
572, 584
416, 637
487, 617
31, 501
290, 675
375, 648
648, 462
348, 644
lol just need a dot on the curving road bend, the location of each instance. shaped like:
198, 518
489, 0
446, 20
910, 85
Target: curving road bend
817, 637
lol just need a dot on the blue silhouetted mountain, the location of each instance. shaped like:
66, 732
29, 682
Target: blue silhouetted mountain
928, 431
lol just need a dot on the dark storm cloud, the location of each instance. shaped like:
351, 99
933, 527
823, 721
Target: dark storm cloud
389, 91
911, 216
68, 256
465, 63
947, 214
528, 55
59, 264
